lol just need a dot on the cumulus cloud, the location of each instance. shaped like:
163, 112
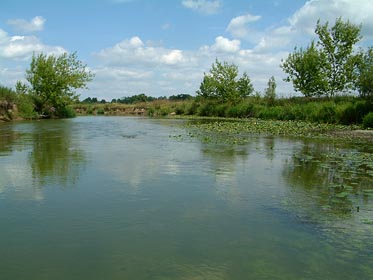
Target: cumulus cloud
203, 6
22, 47
15, 51
224, 45
24, 26
238, 26
358, 12
134, 51
173, 57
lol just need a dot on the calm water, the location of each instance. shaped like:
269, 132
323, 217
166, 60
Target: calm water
131, 198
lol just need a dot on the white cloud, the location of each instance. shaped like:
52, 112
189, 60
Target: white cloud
135, 52
132, 67
22, 47
203, 6
225, 45
238, 25
173, 57
24, 26
358, 12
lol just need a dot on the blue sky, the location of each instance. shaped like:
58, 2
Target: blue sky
162, 48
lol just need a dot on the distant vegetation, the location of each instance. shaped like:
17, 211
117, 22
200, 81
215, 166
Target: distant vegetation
334, 76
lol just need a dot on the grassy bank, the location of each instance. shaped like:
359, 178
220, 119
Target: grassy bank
346, 110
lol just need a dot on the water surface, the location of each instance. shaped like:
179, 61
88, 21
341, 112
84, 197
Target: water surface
134, 198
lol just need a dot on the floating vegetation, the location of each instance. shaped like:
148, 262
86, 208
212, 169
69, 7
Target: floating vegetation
238, 131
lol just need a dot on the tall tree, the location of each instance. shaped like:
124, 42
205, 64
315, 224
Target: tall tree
53, 81
337, 43
326, 67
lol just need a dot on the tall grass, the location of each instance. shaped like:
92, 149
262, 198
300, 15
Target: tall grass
24, 106
339, 110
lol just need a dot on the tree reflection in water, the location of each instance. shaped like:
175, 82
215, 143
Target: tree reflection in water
55, 157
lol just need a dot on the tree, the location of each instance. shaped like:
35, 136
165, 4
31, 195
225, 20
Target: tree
337, 44
364, 81
304, 69
326, 67
270, 91
53, 81
221, 84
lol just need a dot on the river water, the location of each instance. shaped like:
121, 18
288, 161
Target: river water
137, 198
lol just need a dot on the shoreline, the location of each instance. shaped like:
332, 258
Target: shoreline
333, 131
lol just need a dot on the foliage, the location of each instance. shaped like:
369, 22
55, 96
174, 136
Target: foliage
7, 94
26, 106
24, 103
221, 84
368, 120
337, 44
135, 99
327, 67
180, 97
364, 81
53, 81
304, 70
270, 91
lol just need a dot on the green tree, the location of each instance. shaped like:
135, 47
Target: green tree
304, 69
326, 67
337, 43
222, 84
270, 91
53, 81
364, 81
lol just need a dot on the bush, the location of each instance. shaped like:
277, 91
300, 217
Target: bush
242, 110
26, 107
362, 108
193, 108
7, 94
100, 111
66, 112
271, 113
327, 113
347, 114
368, 120
207, 109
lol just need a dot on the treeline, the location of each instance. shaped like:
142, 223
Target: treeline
137, 98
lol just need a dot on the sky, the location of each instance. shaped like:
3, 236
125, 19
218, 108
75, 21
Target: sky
164, 47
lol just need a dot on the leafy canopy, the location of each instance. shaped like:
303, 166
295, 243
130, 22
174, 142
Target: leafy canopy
327, 66
53, 81
364, 81
222, 83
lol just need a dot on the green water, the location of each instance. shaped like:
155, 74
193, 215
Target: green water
132, 198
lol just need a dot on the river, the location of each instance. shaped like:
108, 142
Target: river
137, 198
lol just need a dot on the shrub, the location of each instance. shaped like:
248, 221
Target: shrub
26, 106
207, 109
273, 113
327, 113
242, 110
100, 111
347, 114
368, 120
66, 112
7, 94
193, 108
362, 108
